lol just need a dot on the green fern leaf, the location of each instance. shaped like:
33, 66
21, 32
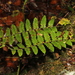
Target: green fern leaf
35, 50
28, 25
20, 45
43, 22
1, 46
53, 36
34, 41
33, 37
13, 29
28, 43
46, 37
56, 44
21, 27
26, 39
59, 35
51, 23
54, 29
50, 46
42, 48
65, 35
7, 32
20, 52
16, 48
69, 42
13, 52
18, 37
27, 50
48, 30
11, 39
1, 33
40, 36
35, 23
62, 44
25, 35
4, 41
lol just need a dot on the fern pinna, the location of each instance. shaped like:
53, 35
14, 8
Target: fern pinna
31, 38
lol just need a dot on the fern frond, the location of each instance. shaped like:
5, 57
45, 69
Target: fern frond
32, 38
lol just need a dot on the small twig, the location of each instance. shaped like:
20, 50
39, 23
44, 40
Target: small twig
73, 6
23, 67
66, 14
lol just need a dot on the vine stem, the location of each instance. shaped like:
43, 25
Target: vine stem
24, 5
18, 70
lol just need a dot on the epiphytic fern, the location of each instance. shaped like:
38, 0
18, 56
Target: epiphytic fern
31, 38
